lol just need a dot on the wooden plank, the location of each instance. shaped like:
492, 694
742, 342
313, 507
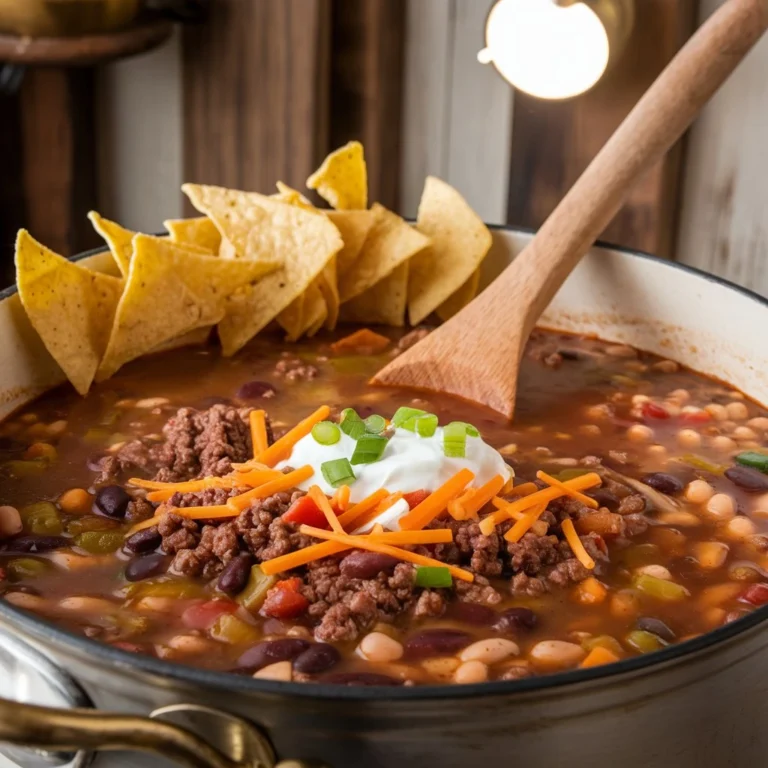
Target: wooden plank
255, 93
552, 142
458, 113
724, 220
368, 44
12, 211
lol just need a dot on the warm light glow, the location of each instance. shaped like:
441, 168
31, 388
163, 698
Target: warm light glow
544, 49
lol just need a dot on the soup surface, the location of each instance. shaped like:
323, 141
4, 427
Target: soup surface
648, 527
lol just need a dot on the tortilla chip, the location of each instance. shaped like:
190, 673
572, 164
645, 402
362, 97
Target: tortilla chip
119, 240
291, 196
260, 228
291, 319
195, 338
200, 232
461, 298
70, 307
383, 304
390, 243
328, 284
157, 306
342, 179
315, 309
460, 241
354, 227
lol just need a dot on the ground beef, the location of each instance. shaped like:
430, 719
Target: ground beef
139, 509
483, 551
295, 369
208, 498
634, 504
429, 604
478, 591
178, 533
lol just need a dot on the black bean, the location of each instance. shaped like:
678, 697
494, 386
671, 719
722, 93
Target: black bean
34, 543
656, 627
253, 390
436, 642
145, 567
317, 658
144, 541
272, 651
367, 565
360, 678
516, 620
605, 498
748, 479
664, 483
472, 613
235, 575
112, 501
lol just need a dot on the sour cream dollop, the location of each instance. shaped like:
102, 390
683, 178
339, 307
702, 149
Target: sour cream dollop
409, 463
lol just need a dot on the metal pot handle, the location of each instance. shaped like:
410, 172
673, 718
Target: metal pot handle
75, 729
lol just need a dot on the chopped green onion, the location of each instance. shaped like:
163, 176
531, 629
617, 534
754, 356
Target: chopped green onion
570, 474
337, 472
455, 440
375, 424
426, 425
326, 433
433, 576
351, 424
405, 414
753, 459
472, 430
369, 448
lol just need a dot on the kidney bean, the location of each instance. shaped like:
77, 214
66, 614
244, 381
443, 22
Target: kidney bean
472, 613
755, 594
605, 498
367, 565
272, 651
146, 566
253, 390
361, 678
112, 501
656, 627
664, 483
436, 642
516, 620
144, 541
235, 575
34, 543
317, 658
748, 479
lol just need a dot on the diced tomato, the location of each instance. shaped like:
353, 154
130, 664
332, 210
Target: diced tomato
652, 410
414, 498
204, 615
695, 417
304, 511
755, 594
284, 601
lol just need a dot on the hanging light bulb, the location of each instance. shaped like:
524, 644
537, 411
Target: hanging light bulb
555, 49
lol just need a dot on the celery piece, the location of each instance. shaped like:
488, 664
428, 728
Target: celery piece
644, 642
230, 629
255, 592
99, 542
661, 589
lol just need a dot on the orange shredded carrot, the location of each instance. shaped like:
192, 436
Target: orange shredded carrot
487, 524
247, 466
190, 486
250, 479
259, 440
597, 656
483, 495
524, 489
281, 448
424, 513
366, 542
356, 511
378, 528
574, 542
504, 505
317, 495
382, 506
457, 508
555, 483
327, 548
525, 523
204, 513
282, 483
340, 499
364, 341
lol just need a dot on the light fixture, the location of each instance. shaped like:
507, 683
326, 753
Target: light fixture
555, 49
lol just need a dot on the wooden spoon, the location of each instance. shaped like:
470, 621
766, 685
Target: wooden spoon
476, 354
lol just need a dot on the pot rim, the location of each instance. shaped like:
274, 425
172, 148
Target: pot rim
44, 631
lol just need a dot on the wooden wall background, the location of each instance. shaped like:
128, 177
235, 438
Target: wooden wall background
270, 85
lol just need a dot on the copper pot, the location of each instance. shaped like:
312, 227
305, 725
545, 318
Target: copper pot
66, 18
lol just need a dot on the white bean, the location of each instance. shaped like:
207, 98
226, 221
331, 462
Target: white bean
759, 422
27, 602
86, 604
699, 492
716, 411
740, 527
721, 507
10, 521
639, 433
378, 647
556, 654
471, 672
490, 651
191, 644
688, 438
152, 402
281, 670
658, 571
737, 411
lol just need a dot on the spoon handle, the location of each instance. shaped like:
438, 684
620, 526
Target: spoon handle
650, 129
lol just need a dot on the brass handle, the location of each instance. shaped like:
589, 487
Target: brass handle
74, 729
